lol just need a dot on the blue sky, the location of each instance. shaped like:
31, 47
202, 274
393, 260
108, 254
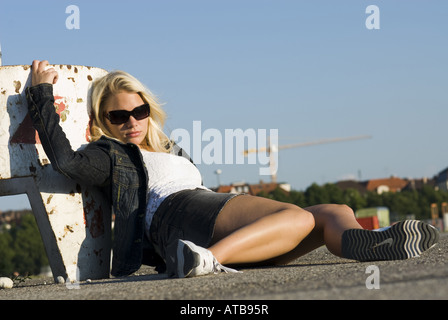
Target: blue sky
310, 69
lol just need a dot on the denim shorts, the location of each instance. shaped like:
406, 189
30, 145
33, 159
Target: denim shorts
187, 215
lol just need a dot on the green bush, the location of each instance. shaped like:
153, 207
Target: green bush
21, 248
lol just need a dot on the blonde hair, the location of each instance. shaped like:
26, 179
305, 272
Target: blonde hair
115, 82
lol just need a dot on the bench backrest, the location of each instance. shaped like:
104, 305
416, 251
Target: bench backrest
74, 220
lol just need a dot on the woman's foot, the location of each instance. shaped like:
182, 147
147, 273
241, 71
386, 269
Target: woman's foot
185, 259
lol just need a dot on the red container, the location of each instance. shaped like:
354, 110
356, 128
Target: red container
369, 223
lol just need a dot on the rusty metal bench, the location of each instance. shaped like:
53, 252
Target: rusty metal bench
74, 220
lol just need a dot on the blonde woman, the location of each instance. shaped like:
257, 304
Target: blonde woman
165, 217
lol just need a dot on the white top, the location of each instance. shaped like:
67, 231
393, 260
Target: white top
167, 174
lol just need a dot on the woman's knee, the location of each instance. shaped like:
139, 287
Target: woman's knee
344, 209
327, 213
331, 210
301, 218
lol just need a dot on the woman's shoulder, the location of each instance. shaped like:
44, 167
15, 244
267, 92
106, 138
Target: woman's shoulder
103, 143
113, 147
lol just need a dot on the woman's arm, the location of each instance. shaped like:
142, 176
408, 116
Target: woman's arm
89, 166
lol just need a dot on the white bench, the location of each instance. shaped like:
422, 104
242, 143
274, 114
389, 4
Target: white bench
74, 220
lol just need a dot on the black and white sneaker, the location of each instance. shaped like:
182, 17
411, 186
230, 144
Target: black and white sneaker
185, 259
403, 240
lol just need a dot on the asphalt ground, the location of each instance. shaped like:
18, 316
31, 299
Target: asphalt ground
316, 276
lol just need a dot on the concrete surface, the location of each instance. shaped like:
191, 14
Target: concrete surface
318, 275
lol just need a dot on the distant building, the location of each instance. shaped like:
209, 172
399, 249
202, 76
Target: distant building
442, 180
253, 189
352, 184
417, 184
9, 217
392, 184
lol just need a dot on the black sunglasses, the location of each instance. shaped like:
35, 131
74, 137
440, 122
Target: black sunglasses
122, 116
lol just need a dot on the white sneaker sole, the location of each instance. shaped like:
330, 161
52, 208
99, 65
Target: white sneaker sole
181, 259
403, 240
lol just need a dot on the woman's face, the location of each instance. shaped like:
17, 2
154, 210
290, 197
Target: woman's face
132, 131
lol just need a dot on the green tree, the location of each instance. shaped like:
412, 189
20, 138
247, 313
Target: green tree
281, 195
400, 204
333, 193
315, 194
298, 198
374, 199
6, 254
354, 199
29, 252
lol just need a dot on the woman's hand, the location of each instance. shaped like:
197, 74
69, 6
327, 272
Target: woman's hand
39, 73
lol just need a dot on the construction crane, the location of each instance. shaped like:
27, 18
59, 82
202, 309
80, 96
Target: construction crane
272, 148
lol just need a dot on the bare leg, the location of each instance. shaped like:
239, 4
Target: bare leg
249, 231
331, 222
252, 229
